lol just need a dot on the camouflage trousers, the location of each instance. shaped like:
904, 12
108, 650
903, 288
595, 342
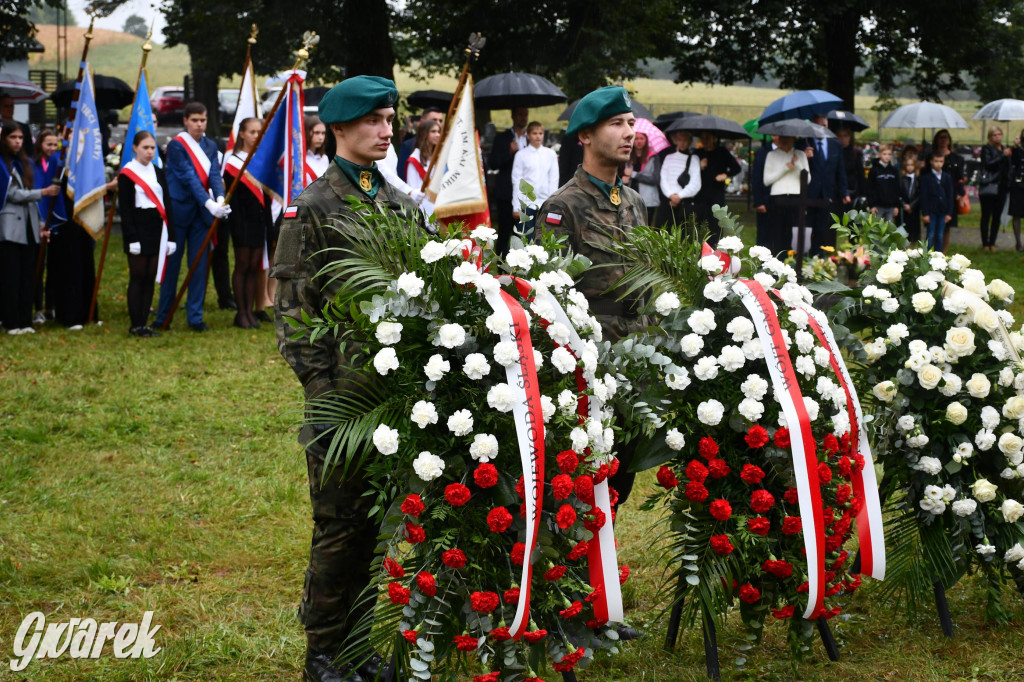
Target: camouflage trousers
343, 545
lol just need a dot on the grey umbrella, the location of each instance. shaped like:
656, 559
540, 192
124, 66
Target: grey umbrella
639, 110
846, 119
507, 90
1001, 110
722, 127
924, 115
795, 127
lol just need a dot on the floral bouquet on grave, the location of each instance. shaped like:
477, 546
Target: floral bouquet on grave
480, 424
944, 379
755, 427
815, 268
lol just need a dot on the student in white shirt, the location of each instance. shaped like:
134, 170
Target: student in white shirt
317, 160
538, 166
782, 169
680, 181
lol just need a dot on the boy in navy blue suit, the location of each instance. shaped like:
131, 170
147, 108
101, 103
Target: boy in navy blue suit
936, 201
197, 196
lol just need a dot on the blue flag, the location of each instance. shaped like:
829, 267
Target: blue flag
86, 173
279, 162
141, 120
5, 184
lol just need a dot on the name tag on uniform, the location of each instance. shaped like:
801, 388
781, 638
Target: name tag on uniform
554, 219
291, 212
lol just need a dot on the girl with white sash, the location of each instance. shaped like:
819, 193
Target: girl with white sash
145, 214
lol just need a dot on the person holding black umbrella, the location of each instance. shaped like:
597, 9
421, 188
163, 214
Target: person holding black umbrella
680, 181
717, 165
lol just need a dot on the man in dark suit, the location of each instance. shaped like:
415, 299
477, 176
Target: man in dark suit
503, 154
828, 181
405, 151
197, 196
760, 194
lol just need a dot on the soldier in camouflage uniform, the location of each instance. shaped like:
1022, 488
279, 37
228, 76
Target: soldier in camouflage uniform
359, 112
592, 210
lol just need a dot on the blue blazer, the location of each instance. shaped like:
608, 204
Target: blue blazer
187, 192
936, 196
44, 179
828, 175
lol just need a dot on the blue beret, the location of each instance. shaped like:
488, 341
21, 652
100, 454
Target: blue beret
598, 106
357, 96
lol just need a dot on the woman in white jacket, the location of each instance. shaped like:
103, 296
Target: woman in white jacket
782, 169
680, 181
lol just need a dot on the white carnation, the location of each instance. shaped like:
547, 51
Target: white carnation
385, 439
432, 252
678, 379
461, 423
506, 353
424, 413
428, 466
567, 402
563, 360
436, 367
547, 408
476, 366
929, 465
385, 360
579, 438
666, 303
964, 507
674, 439
410, 283
710, 412
897, 333
716, 290
754, 387
691, 344
752, 410
519, 258
451, 335
731, 358
484, 447
501, 397
706, 368
702, 321
805, 365
389, 333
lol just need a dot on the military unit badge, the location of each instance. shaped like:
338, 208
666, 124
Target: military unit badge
613, 195
365, 181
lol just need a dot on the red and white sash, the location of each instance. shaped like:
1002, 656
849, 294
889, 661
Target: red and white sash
131, 173
200, 161
234, 164
415, 163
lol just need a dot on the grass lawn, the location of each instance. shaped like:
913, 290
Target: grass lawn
163, 475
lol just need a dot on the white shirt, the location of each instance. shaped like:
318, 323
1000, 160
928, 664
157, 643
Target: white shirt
148, 174
318, 162
388, 167
412, 173
539, 167
521, 140
674, 166
781, 179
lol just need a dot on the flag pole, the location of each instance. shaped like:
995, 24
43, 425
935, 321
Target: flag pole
146, 48
250, 41
476, 43
310, 39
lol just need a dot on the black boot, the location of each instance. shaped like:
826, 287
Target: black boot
376, 670
320, 668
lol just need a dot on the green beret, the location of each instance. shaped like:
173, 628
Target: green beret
599, 105
357, 96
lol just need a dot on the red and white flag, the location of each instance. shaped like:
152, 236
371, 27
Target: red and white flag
248, 103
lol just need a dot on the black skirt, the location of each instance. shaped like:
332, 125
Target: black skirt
147, 230
250, 220
1017, 201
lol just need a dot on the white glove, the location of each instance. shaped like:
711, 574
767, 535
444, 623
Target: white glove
417, 196
217, 210
135, 248
171, 248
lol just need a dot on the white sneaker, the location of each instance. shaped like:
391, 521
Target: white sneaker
75, 328
40, 318
27, 330
13, 332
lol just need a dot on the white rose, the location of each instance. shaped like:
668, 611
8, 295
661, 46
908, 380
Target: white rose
884, 391
428, 466
929, 465
484, 447
889, 273
1012, 510
674, 439
1014, 408
461, 423
923, 302
987, 320
500, 397
964, 507
956, 413
436, 367
385, 360
691, 344
563, 360
389, 333
710, 412
978, 385
476, 366
731, 358
432, 252
666, 303
1001, 290
960, 340
929, 376
1010, 444
958, 262
983, 490
702, 321
424, 413
706, 368
385, 439
752, 410
410, 283
451, 335
1015, 553
754, 387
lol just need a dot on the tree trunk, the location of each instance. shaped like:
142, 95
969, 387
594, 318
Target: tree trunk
368, 38
841, 56
204, 89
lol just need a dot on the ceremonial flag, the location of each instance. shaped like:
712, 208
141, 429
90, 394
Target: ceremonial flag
279, 161
456, 182
247, 103
141, 120
86, 174
5, 184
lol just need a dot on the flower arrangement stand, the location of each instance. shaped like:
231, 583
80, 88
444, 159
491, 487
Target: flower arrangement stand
802, 202
943, 608
827, 639
569, 676
711, 664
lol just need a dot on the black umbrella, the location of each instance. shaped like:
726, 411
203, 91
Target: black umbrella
795, 127
508, 90
110, 93
665, 120
421, 99
846, 119
639, 110
722, 127
314, 95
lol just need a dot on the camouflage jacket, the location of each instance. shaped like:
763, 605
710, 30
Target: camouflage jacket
581, 212
322, 219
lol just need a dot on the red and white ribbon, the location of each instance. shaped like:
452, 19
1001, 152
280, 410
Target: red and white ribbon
200, 161
161, 260
805, 464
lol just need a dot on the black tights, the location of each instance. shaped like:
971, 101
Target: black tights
248, 263
991, 217
141, 282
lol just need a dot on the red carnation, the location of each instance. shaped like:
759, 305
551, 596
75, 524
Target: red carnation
425, 581
454, 558
623, 574
489, 677
720, 510
759, 525
565, 517
498, 519
845, 466
521, 488
602, 474
398, 594
594, 520
500, 634
568, 661
518, 554
535, 636
749, 594
410, 636
486, 475
761, 501
717, 468
511, 596
585, 489
756, 436
484, 602
594, 623
562, 486
465, 642
830, 443
707, 447
554, 573
667, 478
456, 494
696, 471
843, 494
696, 492
791, 525
721, 544
833, 542
579, 551
594, 594
414, 534
780, 569
782, 438
567, 460
613, 499
752, 475
413, 505
393, 568
572, 611
791, 496
613, 465
784, 612
824, 473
